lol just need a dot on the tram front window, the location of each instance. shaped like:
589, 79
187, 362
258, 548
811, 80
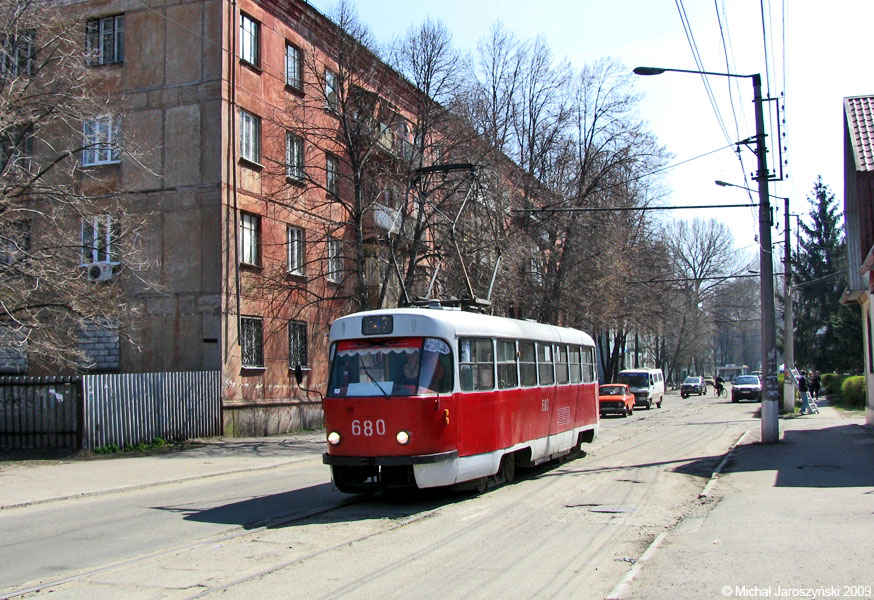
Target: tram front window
394, 367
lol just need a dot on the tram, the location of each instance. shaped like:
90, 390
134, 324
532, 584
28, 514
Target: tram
431, 397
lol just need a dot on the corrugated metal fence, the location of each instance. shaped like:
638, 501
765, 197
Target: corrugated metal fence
91, 411
40, 412
139, 407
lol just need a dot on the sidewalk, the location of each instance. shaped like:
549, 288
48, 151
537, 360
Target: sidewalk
25, 482
790, 519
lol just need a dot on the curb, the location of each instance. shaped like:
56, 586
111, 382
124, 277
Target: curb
616, 592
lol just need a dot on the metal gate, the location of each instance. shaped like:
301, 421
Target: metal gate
40, 412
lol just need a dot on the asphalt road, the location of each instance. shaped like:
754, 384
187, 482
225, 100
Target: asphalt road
571, 529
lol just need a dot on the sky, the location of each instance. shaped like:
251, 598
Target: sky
817, 53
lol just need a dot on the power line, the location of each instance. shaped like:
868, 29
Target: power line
696, 55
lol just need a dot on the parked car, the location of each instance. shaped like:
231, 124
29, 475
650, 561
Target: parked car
746, 387
693, 385
615, 399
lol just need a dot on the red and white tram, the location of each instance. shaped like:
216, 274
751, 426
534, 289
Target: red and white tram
435, 397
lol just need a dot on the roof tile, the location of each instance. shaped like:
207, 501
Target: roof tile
859, 113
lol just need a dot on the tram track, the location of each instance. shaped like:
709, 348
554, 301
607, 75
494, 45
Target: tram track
493, 516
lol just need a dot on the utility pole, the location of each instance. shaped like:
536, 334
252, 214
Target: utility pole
770, 395
788, 317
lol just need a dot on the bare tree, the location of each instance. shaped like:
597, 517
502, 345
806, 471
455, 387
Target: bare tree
64, 226
703, 260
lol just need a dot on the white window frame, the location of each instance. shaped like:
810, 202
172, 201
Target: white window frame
249, 40
296, 249
332, 172
331, 98
334, 263
250, 136
293, 66
100, 140
104, 40
258, 324
297, 340
250, 239
294, 165
98, 236
16, 55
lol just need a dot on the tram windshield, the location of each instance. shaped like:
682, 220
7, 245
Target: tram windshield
390, 367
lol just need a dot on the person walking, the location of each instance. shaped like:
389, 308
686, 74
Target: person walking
803, 389
814, 384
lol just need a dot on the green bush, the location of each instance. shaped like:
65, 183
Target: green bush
853, 391
831, 383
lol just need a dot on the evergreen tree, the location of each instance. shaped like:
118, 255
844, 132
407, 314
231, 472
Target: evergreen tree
826, 334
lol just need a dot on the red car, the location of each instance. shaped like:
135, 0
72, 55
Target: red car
615, 399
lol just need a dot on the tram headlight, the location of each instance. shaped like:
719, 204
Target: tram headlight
403, 438
333, 438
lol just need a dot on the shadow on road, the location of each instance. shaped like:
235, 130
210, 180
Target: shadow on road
319, 504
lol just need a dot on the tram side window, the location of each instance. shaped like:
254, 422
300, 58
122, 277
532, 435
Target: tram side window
476, 364
544, 364
576, 374
527, 364
588, 365
561, 365
507, 373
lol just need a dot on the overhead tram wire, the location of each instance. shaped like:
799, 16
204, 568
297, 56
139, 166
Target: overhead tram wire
665, 168
732, 81
696, 55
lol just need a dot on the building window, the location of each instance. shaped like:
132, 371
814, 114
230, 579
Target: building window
100, 144
250, 137
251, 342
293, 67
296, 249
99, 235
104, 40
16, 55
293, 157
331, 174
297, 344
249, 40
16, 151
14, 241
250, 234
334, 262
331, 98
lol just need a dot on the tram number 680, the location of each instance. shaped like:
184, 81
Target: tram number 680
368, 428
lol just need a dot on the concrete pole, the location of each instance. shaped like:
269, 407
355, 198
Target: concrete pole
788, 318
770, 394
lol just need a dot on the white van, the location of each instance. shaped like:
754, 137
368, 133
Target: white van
647, 385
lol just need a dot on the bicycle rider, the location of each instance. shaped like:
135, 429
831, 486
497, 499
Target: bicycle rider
718, 384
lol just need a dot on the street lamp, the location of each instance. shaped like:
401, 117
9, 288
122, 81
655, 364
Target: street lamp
770, 395
789, 312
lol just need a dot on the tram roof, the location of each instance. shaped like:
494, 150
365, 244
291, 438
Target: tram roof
449, 323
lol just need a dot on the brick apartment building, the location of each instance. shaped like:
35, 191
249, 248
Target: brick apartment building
231, 105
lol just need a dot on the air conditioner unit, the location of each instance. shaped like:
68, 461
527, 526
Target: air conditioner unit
100, 271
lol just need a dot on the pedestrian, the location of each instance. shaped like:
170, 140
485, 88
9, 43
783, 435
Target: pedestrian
803, 387
814, 384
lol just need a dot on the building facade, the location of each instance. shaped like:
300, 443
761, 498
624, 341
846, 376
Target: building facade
246, 169
859, 224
